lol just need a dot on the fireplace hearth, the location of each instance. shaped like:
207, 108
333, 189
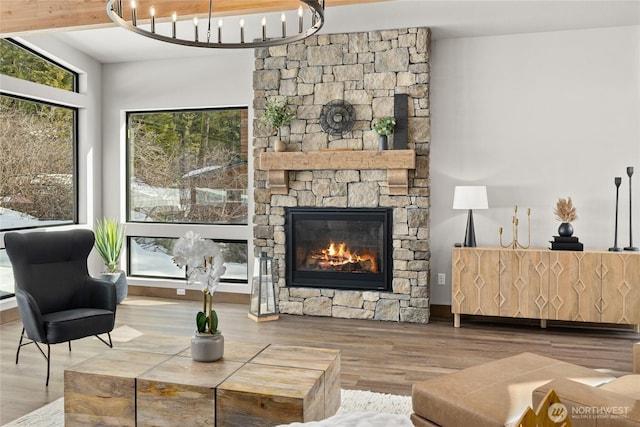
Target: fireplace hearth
347, 248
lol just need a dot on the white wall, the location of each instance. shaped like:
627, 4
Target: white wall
534, 117
221, 80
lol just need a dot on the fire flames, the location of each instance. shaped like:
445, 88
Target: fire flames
339, 257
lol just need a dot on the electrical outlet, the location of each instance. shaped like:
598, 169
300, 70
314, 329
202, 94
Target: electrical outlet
181, 291
441, 279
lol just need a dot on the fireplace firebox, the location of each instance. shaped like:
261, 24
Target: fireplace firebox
346, 248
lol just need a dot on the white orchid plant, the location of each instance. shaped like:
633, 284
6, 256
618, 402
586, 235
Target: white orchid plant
204, 265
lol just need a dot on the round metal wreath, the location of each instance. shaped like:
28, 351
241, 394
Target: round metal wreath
337, 117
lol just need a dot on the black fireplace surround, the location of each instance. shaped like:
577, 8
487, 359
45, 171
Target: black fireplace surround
339, 248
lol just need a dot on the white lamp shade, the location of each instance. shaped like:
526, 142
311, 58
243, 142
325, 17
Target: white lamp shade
470, 197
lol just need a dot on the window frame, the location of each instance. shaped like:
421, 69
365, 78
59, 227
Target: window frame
75, 74
28, 91
128, 163
75, 166
183, 279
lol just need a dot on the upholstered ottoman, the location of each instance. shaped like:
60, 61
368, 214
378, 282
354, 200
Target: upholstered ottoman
493, 394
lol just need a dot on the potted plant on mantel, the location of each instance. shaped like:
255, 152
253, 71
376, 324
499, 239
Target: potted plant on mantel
204, 265
383, 126
277, 113
109, 235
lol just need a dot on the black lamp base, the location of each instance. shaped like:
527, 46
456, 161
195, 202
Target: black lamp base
470, 234
615, 249
632, 248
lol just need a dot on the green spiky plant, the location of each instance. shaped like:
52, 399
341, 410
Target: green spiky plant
109, 242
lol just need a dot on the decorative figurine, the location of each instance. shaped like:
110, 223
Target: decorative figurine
515, 244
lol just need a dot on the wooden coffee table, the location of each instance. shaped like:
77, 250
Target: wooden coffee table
152, 380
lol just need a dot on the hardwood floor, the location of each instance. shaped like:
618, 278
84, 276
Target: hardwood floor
379, 356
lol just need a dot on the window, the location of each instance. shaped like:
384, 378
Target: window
22, 63
188, 166
38, 171
6, 276
151, 257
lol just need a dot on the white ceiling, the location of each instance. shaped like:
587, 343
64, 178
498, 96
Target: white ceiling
447, 19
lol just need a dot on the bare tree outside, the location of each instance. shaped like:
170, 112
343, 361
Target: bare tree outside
187, 167
37, 168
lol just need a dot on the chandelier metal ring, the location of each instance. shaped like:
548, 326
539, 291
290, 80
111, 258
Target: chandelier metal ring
148, 27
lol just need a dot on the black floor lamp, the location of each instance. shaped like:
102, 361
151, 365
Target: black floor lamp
470, 197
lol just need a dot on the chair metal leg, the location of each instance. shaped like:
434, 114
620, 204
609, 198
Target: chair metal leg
19, 345
109, 344
48, 364
47, 357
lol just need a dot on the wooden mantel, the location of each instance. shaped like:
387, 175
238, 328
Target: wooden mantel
396, 162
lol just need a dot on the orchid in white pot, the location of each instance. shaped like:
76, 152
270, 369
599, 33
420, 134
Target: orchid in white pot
204, 264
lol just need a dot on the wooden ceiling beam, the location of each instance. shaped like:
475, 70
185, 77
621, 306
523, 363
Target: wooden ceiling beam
21, 17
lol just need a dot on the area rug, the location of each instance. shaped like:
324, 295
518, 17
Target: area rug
358, 409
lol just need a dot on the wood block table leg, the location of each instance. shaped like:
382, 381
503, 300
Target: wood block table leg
262, 395
181, 392
456, 320
325, 360
101, 390
543, 323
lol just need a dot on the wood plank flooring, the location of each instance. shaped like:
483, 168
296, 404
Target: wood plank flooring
379, 356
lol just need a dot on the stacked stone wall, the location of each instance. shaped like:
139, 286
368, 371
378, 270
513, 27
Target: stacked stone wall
366, 70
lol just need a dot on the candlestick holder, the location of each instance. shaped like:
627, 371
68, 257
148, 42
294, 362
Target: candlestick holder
515, 244
630, 247
617, 181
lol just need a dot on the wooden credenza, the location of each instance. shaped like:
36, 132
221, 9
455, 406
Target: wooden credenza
590, 286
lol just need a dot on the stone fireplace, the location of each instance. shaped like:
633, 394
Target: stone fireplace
345, 173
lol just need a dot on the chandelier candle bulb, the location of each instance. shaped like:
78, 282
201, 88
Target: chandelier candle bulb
220, 30
195, 27
300, 19
242, 30
152, 12
264, 28
174, 17
133, 13
119, 8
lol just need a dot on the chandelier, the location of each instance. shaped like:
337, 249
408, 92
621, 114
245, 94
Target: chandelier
167, 26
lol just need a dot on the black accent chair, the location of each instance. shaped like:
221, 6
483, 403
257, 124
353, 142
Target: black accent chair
57, 299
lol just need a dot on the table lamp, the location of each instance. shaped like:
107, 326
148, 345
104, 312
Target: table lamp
470, 197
